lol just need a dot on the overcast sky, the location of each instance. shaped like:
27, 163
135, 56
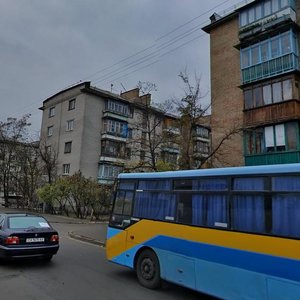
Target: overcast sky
48, 45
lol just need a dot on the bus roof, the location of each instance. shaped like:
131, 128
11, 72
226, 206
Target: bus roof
249, 170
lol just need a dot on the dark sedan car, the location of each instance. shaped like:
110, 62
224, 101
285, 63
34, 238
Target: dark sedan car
27, 235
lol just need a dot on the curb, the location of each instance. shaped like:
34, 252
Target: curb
86, 239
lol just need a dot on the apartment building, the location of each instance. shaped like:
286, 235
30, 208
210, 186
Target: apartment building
101, 133
255, 82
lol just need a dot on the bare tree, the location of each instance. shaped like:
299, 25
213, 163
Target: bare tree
149, 137
193, 112
29, 172
48, 158
13, 132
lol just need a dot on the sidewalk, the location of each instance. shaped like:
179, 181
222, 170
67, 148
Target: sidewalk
94, 233
91, 232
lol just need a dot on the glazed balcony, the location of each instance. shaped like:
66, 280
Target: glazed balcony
171, 130
115, 115
285, 15
276, 66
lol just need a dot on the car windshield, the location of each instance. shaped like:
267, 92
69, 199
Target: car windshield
27, 222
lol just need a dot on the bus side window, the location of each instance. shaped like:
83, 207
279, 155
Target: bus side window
250, 206
286, 206
184, 208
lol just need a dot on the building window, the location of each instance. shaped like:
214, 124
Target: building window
267, 58
264, 52
268, 49
70, 125
276, 138
66, 169
262, 10
202, 132
109, 172
68, 147
72, 104
117, 107
201, 147
50, 131
169, 157
268, 93
51, 111
116, 128
113, 149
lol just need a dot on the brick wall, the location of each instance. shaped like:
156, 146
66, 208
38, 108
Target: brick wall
226, 96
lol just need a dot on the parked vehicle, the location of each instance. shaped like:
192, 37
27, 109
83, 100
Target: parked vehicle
27, 235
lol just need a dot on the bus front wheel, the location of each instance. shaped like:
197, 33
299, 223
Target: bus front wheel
148, 270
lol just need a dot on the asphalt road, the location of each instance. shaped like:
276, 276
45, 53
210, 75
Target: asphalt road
79, 271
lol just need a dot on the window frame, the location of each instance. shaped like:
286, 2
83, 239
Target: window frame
50, 130
290, 129
249, 93
70, 125
51, 112
66, 169
68, 147
72, 104
246, 55
262, 10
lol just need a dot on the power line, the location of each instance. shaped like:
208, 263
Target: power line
118, 62
150, 64
151, 55
150, 47
180, 26
155, 49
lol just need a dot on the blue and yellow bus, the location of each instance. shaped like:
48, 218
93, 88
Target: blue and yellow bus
231, 232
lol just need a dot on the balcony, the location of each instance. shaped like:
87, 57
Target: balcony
111, 159
115, 115
114, 155
282, 17
200, 137
279, 112
172, 130
273, 158
171, 149
117, 136
200, 155
276, 66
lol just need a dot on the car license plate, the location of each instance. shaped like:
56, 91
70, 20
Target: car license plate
35, 240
